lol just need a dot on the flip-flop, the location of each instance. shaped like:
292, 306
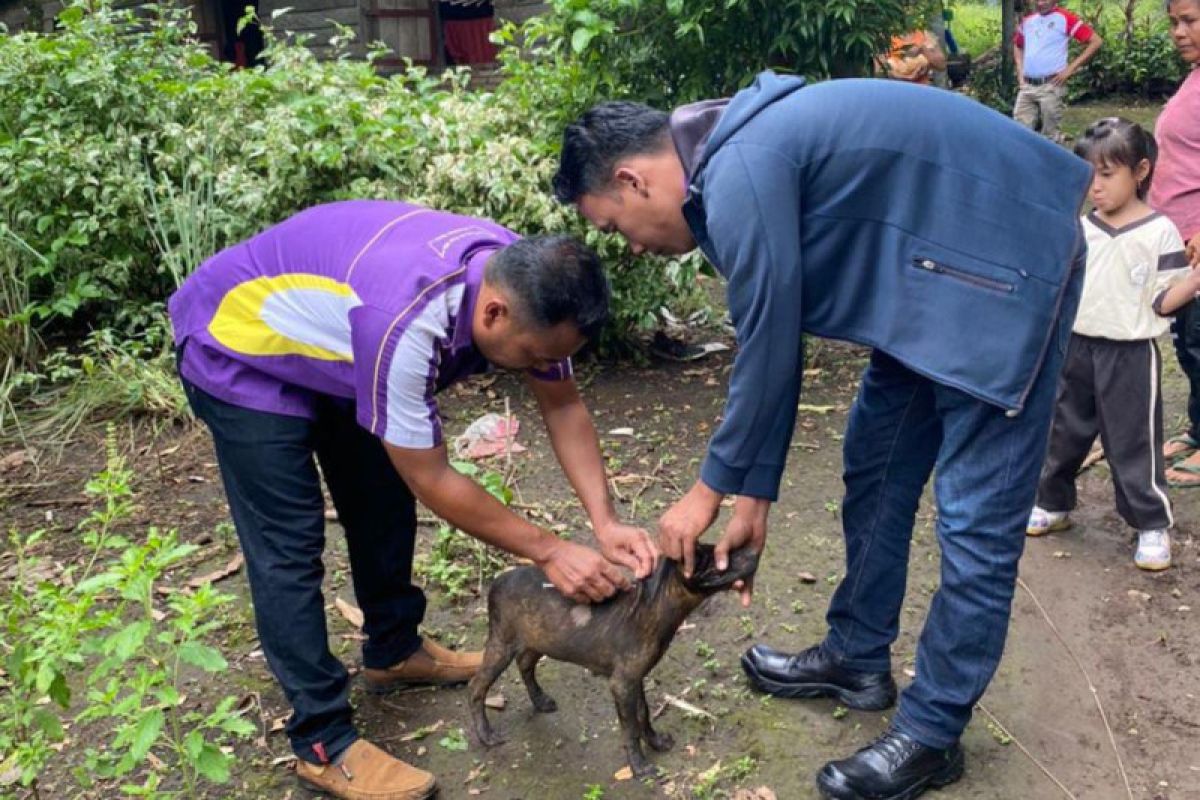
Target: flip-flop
1185, 469
1190, 446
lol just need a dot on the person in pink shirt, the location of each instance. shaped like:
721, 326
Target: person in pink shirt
1176, 193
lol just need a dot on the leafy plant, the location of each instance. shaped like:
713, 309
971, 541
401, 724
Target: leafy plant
457, 561
97, 628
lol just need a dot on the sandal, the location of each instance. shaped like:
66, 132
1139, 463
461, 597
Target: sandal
1180, 447
1184, 475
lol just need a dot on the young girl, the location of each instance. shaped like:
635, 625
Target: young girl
1137, 275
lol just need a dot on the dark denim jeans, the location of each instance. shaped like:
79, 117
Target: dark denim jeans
1186, 334
274, 494
902, 428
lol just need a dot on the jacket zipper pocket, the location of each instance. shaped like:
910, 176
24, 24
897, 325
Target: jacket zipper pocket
929, 265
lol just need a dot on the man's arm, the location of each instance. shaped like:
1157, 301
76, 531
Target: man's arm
753, 217
577, 447
1019, 63
1089, 49
577, 571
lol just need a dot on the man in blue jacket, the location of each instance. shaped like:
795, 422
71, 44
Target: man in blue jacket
952, 247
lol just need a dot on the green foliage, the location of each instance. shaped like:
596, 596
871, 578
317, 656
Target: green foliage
128, 155
98, 629
1137, 59
669, 52
458, 563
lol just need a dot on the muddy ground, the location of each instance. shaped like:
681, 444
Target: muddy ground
1130, 630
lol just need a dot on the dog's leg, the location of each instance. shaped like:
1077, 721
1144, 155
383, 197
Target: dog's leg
625, 693
661, 742
496, 658
527, 662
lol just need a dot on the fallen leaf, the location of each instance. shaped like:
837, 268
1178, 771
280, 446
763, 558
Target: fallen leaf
232, 567
623, 774
687, 708
475, 773
761, 793
621, 432
421, 733
353, 614
805, 408
13, 460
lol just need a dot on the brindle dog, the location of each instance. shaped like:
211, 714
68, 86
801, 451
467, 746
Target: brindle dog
621, 639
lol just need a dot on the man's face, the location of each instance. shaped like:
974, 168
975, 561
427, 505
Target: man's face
509, 343
1045, 6
644, 203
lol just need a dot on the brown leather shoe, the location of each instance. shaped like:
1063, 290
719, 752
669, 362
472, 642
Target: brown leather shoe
367, 773
431, 664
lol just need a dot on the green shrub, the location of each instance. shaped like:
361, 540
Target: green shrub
668, 52
88, 645
127, 155
1138, 58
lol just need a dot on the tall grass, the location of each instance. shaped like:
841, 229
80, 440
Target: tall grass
19, 341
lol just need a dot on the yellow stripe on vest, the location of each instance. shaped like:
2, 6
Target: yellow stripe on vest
239, 325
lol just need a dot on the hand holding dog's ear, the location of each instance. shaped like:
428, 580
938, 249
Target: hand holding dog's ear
629, 546
581, 573
747, 528
685, 522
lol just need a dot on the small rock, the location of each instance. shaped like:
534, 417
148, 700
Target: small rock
496, 701
807, 577
1137, 594
422, 750
1184, 609
623, 774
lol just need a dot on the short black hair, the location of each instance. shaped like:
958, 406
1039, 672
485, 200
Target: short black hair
597, 140
553, 279
1119, 142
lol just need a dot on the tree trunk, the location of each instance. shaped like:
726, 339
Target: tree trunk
1008, 25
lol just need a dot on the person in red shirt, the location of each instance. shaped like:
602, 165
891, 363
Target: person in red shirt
1041, 54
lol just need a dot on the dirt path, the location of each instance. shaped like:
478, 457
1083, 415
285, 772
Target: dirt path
1143, 653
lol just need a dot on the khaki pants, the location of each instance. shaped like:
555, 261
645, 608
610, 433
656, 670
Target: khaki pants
1045, 102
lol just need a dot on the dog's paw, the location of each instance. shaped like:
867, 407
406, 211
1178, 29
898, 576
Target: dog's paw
662, 742
490, 738
544, 704
646, 771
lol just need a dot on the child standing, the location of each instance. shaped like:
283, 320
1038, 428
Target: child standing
1136, 276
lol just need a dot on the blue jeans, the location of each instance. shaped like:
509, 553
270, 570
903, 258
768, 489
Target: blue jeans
902, 428
274, 494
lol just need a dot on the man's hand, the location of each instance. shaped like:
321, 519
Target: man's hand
581, 573
1061, 78
747, 528
1193, 251
685, 522
628, 545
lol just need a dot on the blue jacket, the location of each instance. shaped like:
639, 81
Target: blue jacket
902, 217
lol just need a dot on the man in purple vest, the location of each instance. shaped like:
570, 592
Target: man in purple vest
329, 335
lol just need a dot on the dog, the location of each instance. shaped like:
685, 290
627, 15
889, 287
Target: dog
620, 639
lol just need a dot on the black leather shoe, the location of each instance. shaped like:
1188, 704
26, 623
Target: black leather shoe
893, 767
811, 673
